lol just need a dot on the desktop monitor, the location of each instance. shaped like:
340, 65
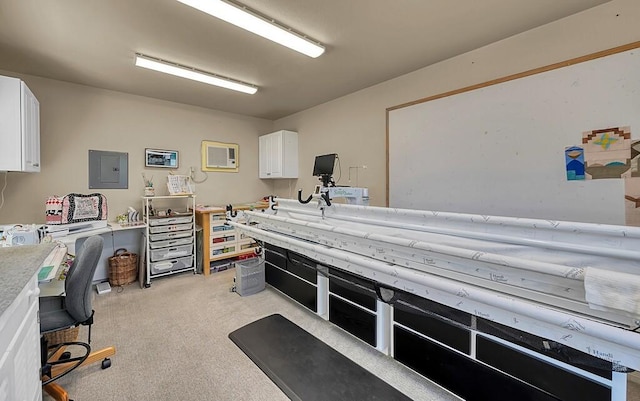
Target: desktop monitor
323, 165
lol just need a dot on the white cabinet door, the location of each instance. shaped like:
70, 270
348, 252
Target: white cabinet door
20, 348
19, 127
275, 149
289, 151
30, 131
10, 139
265, 161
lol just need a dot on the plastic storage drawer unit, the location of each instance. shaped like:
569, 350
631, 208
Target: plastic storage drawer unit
250, 276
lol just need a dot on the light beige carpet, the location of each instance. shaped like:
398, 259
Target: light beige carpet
171, 343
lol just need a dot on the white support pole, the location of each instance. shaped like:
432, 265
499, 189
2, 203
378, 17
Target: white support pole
383, 326
618, 386
323, 296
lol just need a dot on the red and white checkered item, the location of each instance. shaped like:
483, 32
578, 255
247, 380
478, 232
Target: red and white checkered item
53, 210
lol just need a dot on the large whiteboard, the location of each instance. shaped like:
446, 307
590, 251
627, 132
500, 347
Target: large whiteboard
499, 149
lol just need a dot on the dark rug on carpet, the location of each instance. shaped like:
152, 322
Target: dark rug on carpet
304, 367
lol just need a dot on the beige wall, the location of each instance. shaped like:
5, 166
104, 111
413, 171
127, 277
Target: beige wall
354, 126
77, 118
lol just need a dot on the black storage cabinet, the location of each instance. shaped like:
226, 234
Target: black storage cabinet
292, 274
560, 382
352, 304
434, 340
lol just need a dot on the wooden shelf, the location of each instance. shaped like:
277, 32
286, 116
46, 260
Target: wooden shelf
215, 217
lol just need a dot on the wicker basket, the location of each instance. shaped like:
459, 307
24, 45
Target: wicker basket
62, 336
123, 267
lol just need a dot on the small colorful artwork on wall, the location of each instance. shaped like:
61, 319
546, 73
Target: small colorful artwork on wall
632, 201
607, 152
574, 160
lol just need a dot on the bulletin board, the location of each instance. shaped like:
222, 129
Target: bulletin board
498, 148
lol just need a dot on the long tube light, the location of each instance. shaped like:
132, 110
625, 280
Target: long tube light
251, 21
182, 71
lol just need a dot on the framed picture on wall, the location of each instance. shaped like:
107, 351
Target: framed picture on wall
161, 158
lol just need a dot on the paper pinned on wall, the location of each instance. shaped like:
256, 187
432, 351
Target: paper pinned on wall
574, 160
607, 152
179, 185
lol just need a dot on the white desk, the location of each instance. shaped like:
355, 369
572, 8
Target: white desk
115, 237
54, 286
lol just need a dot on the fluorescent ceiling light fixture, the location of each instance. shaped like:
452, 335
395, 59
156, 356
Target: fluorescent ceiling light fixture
182, 71
247, 19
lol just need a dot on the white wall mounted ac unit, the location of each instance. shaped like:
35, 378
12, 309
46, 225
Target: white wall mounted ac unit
219, 156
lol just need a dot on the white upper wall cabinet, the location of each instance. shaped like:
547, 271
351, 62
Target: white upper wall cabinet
19, 127
279, 155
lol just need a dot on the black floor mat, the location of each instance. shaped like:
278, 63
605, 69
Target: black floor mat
304, 367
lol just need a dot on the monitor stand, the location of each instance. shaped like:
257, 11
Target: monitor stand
326, 180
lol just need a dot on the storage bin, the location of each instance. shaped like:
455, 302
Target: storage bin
171, 264
250, 276
222, 250
171, 235
171, 253
218, 228
171, 242
62, 336
123, 267
163, 221
169, 228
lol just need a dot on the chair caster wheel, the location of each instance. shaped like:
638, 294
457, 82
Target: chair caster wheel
65, 355
147, 285
106, 362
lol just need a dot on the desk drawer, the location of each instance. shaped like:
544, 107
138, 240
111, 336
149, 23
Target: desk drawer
220, 228
556, 380
434, 320
172, 242
170, 235
163, 221
357, 321
171, 265
302, 267
354, 288
465, 377
170, 228
171, 253
276, 256
299, 290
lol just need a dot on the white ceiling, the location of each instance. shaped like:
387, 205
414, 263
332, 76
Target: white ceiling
93, 42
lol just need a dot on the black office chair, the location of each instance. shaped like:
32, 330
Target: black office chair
71, 310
